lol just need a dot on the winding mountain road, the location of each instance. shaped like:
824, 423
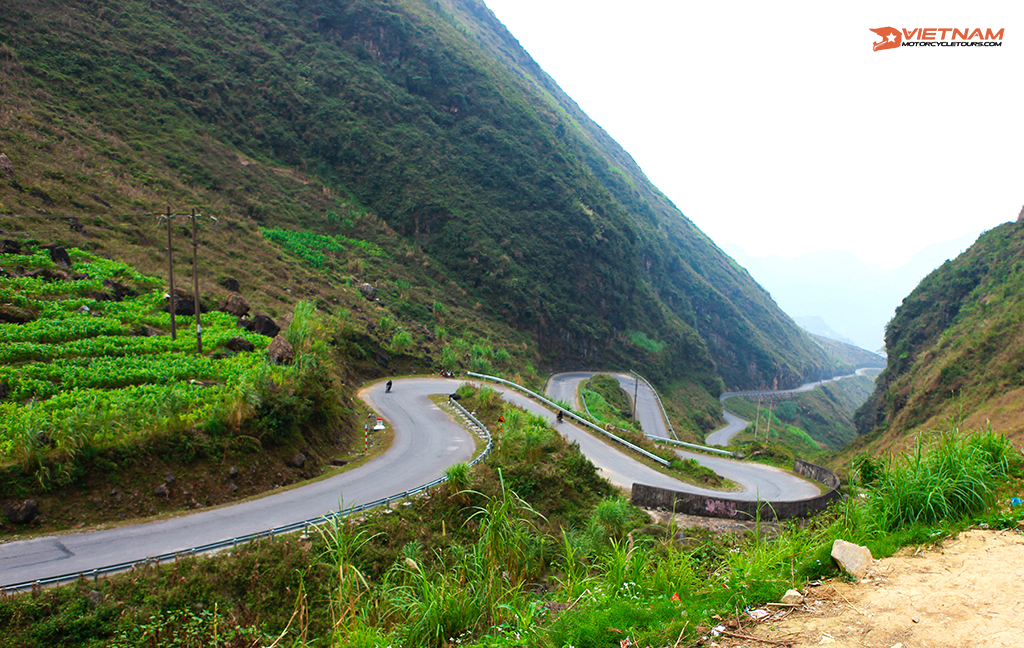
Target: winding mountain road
756, 481
426, 441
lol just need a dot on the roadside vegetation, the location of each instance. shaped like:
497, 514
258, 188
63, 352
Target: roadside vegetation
495, 558
606, 401
98, 404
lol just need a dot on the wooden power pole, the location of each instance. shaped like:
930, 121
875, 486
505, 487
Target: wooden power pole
170, 273
195, 286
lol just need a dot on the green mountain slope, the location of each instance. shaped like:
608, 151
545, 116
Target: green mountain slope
956, 346
421, 117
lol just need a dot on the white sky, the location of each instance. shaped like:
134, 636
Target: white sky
775, 127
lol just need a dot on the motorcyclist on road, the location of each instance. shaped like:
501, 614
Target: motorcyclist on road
559, 417
387, 387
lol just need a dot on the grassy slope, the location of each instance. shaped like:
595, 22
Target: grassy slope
956, 348
271, 112
738, 321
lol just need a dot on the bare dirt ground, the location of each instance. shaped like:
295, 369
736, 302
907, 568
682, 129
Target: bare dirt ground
967, 592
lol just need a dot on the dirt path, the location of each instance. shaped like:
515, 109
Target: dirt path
968, 592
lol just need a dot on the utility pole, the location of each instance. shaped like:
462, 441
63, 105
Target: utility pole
170, 273
757, 419
636, 389
195, 287
769, 432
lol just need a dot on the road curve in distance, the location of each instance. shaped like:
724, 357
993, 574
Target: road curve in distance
734, 424
565, 386
621, 469
757, 481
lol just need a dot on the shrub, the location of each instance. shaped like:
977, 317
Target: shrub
402, 341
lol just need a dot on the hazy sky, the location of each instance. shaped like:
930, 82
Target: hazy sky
775, 127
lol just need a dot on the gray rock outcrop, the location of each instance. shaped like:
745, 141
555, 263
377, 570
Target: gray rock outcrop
6, 166
368, 291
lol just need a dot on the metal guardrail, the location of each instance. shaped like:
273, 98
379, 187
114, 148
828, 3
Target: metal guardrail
579, 419
691, 445
481, 431
676, 440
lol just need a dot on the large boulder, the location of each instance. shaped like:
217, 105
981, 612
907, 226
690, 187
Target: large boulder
235, 304
59, 255
240, 344
23, 512
260, 324
11, 314
231, 285
184, 304
280, 351
7, 246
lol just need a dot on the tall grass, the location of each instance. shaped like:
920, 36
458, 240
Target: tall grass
341, 544
945, 478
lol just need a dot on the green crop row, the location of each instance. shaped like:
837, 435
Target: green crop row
77, 379
102, 418
42, 380
122, 345
144, 308
62, 330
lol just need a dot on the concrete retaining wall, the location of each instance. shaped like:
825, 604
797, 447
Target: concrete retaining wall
723, 507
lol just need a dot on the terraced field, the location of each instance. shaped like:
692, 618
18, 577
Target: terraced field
87, 362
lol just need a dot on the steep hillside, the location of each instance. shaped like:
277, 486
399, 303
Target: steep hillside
956, 346
425, 114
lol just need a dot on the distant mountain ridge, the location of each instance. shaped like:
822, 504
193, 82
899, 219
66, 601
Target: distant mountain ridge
424, 113
818, 326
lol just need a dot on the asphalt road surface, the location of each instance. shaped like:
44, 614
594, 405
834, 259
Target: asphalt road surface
757, 481
723, 435
426, 442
